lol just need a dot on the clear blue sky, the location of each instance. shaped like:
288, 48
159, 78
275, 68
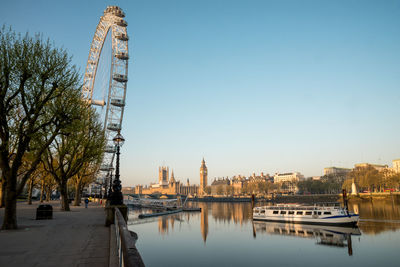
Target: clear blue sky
272, 86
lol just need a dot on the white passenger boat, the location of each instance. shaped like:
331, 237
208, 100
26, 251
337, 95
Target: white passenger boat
324, 214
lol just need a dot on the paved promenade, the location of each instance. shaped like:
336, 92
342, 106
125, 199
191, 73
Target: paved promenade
75, 238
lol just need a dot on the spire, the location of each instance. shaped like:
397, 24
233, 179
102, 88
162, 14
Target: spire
172, 180
203, 163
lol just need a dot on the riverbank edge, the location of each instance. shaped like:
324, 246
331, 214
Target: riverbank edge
301, 198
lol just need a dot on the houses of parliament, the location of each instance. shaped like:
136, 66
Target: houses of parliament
168, 185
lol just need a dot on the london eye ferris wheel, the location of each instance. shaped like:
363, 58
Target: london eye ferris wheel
105, 79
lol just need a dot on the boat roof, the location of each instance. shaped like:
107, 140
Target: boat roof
303, 206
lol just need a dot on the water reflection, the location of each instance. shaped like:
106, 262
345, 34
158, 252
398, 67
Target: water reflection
324, 235
375, 217
204, 222
222, 235
238, 213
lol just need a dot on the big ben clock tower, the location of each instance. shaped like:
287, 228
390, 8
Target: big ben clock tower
203, 177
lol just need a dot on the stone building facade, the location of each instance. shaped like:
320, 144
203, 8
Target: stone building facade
170, 186
336, 171
378, 167
396, 165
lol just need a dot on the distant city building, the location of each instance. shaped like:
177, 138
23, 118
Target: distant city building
128, 190
288, 181
336, 170
219, 186
237, 184
170, 186
396, 165
203, 177
376, 166
163, 175
288, 177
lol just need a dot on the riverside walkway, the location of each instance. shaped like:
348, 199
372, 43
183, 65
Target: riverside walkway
75, 238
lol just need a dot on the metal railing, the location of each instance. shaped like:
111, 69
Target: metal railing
128, 255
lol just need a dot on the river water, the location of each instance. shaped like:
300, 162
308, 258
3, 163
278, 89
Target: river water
223, 234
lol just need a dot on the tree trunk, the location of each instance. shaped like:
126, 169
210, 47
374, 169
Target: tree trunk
2, 193
77, 200
41, 191
10, 212
64, 196
30, 191
48, 191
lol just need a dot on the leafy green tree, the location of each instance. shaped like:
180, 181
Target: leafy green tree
229, 190
269, 187
390, 179
347, 184
261, 186
220, 189
84, 177
251, 188
245, 188
207, 190
366, 178
81, 144
33, 76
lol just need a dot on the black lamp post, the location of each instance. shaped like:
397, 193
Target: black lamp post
108, 189
116, 197
101, 191
105, 189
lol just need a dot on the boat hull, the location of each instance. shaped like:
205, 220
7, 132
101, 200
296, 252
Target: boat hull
349, 220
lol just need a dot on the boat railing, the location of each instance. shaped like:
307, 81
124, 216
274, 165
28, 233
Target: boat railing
293, 207
327, 204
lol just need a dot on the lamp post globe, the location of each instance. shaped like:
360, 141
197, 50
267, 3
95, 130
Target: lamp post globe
119, 140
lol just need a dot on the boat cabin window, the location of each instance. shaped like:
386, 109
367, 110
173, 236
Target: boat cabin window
283, 212
263, 211
275, 212
291, 212
319, 213
299, 213
308, 213
327, 212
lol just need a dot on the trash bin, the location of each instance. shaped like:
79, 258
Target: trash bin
44, 212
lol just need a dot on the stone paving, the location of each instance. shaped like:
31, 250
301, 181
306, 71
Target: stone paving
75, 238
